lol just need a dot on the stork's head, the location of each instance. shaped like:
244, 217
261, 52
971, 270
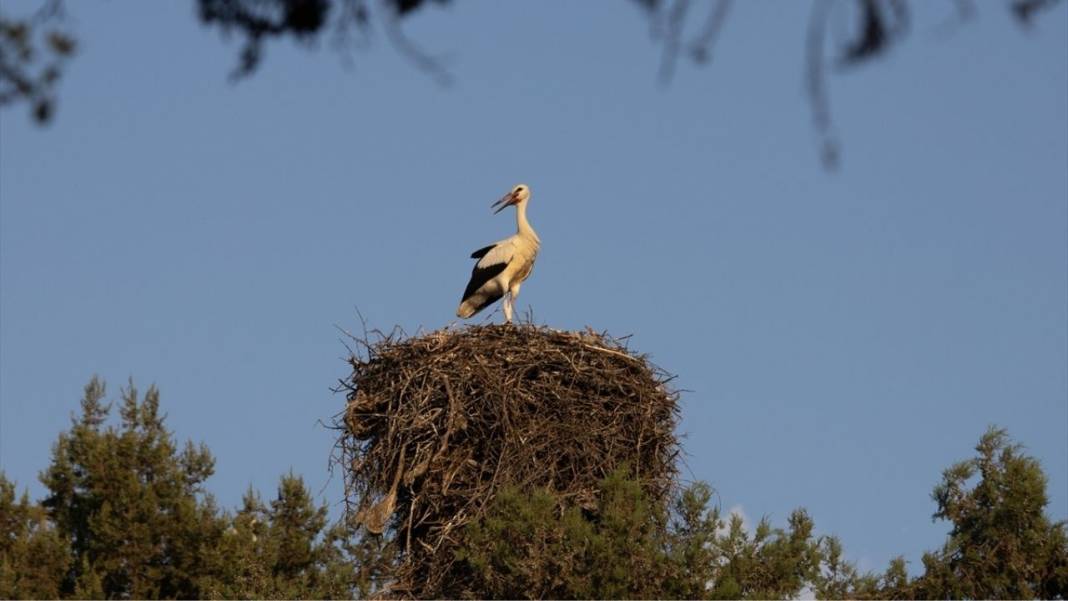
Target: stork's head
518, 194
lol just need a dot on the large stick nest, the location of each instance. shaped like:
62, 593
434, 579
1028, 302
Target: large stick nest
436, 424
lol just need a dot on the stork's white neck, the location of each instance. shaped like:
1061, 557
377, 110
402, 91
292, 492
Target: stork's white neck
522, 225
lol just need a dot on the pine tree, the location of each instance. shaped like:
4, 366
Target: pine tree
532, 545
33, 556
1001, 545
126, 515
767, 563
692, 542
282, 550
295, 543
131, 505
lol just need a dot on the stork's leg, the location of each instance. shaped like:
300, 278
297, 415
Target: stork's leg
512, 294
507, 308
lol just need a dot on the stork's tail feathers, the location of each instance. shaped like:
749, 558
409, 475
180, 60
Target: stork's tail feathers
475, 303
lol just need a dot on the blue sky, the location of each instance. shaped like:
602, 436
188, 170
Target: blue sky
842, 337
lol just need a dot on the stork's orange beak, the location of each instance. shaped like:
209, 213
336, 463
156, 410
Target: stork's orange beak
506, 201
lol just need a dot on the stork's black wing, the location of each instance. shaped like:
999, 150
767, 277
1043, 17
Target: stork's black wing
481, 275
478, 254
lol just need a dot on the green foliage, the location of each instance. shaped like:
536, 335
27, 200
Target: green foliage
692, 542
528, 546
283, 550
32, 553
767, 563
533, 545
129, 502
126, 515
1001, 545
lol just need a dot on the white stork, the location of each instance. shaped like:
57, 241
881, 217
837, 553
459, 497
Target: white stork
503, 265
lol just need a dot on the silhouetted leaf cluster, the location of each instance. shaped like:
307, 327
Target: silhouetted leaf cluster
1026, 10
879, 25
259, 19
33, 52
305, 20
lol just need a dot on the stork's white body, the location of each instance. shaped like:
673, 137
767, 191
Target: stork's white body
504, 265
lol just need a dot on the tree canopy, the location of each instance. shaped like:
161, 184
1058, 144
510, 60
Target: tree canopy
127, 515
1001, 545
